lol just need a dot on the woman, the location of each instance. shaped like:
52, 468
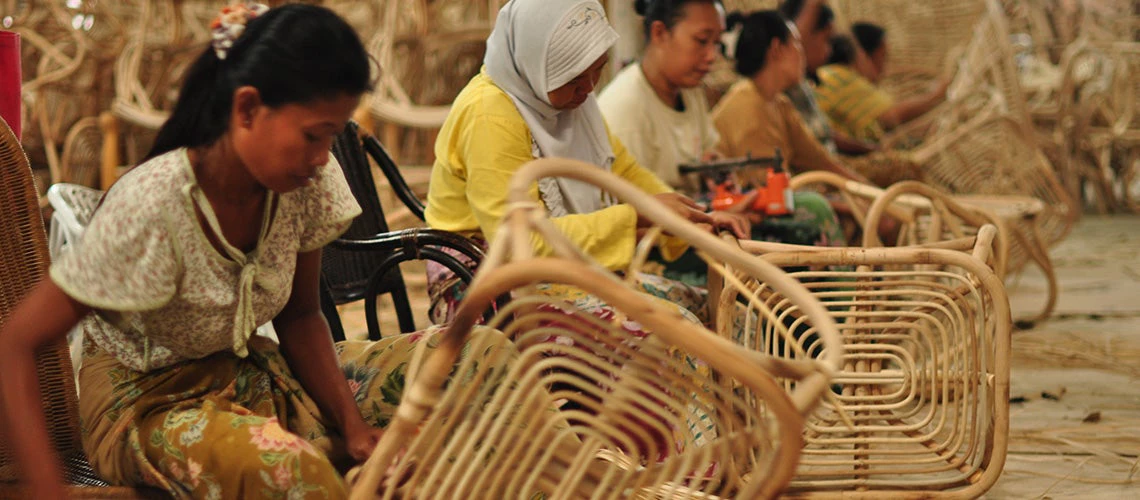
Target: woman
754, 117
659, 111
534, 99
656, 106
218, 231
847, 91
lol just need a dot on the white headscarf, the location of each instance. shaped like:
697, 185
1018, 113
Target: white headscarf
538, 46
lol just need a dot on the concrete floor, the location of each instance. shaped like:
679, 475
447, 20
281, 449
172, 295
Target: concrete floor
1076, 433
1075, 419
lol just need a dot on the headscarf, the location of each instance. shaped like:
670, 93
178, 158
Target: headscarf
538, 46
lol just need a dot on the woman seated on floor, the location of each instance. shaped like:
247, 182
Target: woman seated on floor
847, 89
533, 99
657, 108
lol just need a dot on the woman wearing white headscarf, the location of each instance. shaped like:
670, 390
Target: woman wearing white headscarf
534, 98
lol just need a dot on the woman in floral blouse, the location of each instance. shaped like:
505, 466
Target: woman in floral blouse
218, 231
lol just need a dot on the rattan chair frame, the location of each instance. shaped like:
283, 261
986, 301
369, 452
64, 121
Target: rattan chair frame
572, 471
926, 380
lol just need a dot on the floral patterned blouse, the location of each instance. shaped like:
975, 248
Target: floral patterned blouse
162, 293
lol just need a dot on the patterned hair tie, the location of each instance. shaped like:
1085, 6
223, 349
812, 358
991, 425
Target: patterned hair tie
230, 24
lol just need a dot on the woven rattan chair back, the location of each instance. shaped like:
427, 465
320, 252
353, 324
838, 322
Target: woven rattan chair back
23, 263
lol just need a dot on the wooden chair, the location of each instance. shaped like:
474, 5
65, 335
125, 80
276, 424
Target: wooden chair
623, 396
23, 263
923, 396
363, 262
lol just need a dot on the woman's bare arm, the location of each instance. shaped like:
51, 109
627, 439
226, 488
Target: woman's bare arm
44, 316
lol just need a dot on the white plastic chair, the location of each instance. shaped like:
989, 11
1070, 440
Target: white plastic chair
72, 207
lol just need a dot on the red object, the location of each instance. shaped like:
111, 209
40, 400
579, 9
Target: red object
10, 79
773, 198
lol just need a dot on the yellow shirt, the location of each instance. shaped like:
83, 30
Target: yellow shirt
750, 124
852, 102
483, 142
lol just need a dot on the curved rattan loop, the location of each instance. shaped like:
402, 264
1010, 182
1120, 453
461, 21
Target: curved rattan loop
653, 210
946, 215
926, 378
422, 396
510, 265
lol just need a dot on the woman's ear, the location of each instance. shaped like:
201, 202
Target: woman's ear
774, 51
246, 102
658, 32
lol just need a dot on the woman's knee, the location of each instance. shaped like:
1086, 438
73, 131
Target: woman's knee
239, 456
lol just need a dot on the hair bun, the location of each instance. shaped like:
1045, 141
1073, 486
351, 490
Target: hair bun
641, 6
734, 19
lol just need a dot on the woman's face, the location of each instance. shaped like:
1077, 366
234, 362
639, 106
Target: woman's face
879, 60
575, 92
817, 47
282, 147
788, 57
689, 49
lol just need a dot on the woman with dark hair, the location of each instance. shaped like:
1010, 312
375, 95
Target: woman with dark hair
847, 89
872, 40
754, 117
658, 109
656, 106
217, 232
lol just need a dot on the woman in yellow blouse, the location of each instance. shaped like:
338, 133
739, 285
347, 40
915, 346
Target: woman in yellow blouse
534, 98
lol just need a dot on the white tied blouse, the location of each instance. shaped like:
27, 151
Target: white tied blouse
162, 293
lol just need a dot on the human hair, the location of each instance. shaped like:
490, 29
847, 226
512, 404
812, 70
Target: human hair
295, 53
842, 50
791, 9
668, 12
758, 29
869, 35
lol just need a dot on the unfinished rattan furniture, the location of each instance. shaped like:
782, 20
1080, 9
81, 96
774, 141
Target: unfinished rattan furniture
924, 392
622, 395
992, 154
941, 217
1107, 133
924, 215
147, 73
427, 51
23, 263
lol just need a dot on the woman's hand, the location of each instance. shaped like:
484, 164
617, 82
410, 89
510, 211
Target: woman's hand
739, 223
693, 212
681, 205
360, 439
